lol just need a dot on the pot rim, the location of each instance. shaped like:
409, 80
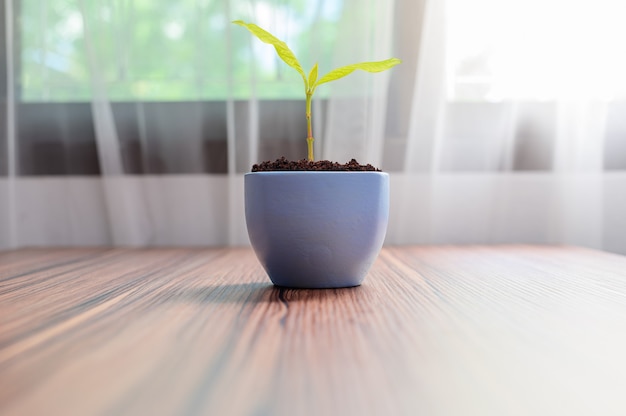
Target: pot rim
313, 172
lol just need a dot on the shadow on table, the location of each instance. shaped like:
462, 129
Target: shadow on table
257, 292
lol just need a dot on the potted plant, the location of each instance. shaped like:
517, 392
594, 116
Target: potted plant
316, 224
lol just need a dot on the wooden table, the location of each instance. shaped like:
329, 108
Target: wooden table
502, 330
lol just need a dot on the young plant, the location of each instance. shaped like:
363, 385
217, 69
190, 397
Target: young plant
311, 82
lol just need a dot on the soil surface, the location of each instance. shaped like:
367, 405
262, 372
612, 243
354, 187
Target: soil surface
303, 164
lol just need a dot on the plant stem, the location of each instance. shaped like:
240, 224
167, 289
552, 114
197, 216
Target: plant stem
309, 129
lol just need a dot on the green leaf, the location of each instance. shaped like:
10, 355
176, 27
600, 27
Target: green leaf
281, 47
313, 76
377, 66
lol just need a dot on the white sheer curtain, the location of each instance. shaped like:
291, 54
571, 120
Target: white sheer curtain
505, 123
522, 138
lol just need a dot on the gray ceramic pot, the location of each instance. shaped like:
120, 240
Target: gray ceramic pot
317, 229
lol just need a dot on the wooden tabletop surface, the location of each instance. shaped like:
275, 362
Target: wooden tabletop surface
502, 330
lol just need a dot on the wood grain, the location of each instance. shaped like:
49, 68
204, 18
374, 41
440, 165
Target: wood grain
433, 330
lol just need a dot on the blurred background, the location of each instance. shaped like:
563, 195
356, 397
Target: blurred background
132, 122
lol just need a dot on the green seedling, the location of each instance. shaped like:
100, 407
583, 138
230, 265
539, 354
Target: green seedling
311, 82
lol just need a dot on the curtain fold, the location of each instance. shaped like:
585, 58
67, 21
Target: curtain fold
107, 143
355, 117
424, 140
8, 188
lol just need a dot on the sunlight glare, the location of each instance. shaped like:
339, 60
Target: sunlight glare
539, 49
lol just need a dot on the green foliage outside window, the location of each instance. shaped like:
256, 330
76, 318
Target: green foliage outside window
161, 50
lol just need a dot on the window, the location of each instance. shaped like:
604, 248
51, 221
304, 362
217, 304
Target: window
166, 50
165, 66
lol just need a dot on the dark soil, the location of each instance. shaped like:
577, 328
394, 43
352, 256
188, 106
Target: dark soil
303, 164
